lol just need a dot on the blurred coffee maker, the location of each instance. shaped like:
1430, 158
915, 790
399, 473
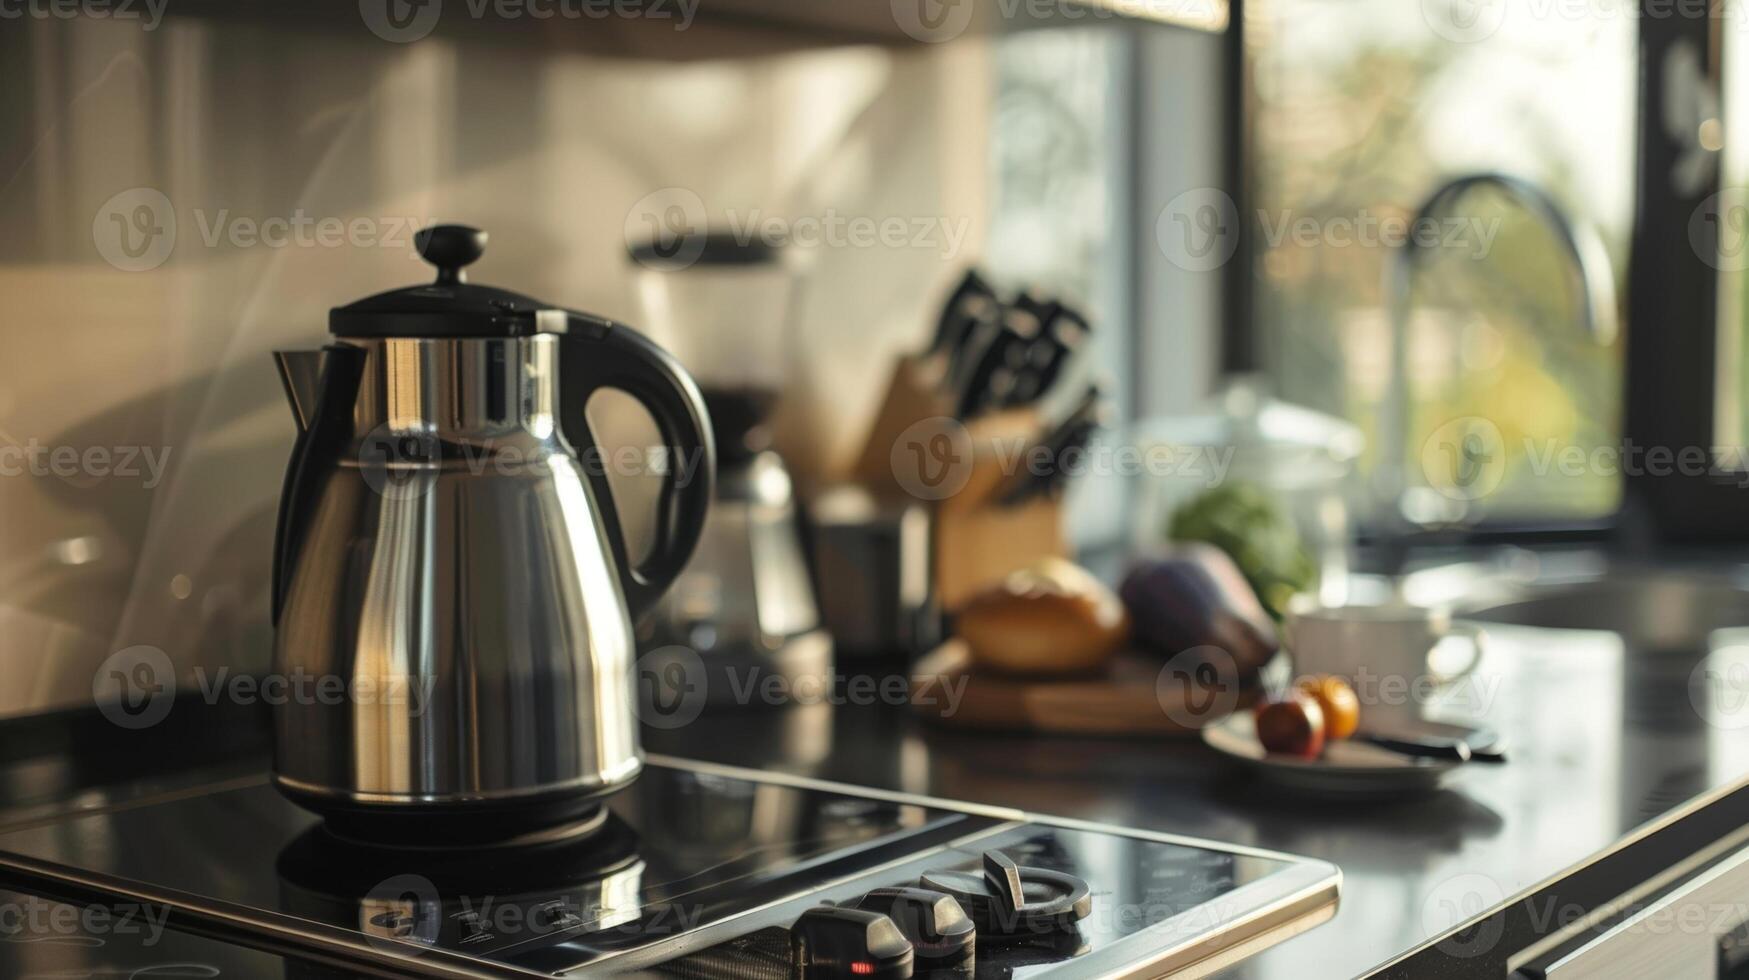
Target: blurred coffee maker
745, 605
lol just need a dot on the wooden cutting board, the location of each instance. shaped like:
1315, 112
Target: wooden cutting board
1128, 698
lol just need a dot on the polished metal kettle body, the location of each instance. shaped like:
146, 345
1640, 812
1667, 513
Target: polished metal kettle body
454, 599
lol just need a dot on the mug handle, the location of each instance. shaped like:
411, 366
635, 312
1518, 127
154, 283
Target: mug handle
596, 354
1478, 644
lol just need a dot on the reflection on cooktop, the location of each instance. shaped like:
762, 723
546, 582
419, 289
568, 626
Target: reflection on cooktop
45, 939
677, 851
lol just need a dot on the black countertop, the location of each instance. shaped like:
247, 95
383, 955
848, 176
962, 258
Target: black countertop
1614, 776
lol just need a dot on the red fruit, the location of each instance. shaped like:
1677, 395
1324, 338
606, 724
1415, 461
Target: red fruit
1292, 726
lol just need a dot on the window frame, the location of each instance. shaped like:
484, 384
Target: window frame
1673, 299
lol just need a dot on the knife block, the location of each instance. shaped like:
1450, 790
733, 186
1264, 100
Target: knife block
916, 394
918, 450
978, 541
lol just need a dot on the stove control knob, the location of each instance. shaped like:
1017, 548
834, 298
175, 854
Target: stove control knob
939, 930
1008, 899
832, 943
1002, 878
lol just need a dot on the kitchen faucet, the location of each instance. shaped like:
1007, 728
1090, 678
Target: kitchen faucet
1596, 308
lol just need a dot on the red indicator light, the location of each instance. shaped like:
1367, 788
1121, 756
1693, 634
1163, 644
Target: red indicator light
862, 968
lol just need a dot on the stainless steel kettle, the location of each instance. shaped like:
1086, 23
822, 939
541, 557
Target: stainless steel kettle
453, 599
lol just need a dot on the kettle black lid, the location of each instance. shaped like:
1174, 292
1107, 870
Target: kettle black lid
451, 306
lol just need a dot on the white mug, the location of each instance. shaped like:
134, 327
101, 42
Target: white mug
1385, 651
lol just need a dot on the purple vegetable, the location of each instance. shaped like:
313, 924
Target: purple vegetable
1196, 596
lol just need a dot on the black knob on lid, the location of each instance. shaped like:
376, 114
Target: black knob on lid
938, 929
831, 942
451, 306
450, 248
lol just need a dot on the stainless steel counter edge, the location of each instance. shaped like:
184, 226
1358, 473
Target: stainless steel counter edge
1631, 886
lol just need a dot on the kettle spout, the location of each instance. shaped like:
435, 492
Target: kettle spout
301, 373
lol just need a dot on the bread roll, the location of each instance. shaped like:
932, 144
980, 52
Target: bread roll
1049, 619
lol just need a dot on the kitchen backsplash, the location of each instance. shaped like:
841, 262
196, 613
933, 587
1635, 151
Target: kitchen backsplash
181, 201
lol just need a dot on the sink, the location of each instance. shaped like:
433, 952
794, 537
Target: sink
1653, 608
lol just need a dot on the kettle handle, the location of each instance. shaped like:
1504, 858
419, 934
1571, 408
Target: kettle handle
597, 354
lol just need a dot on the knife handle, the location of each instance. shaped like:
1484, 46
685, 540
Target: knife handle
1425, 746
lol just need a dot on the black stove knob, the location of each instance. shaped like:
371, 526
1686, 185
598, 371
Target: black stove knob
1008, 899
831, 943
1002, 878
938, 929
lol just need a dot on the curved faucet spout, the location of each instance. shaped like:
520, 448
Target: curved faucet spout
1595, 303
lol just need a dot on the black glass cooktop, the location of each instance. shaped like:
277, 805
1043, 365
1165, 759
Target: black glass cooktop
692, 873
45, 939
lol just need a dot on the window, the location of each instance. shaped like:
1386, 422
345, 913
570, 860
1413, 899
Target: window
1362, 109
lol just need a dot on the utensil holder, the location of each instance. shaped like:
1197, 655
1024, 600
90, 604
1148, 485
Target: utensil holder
917, 450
